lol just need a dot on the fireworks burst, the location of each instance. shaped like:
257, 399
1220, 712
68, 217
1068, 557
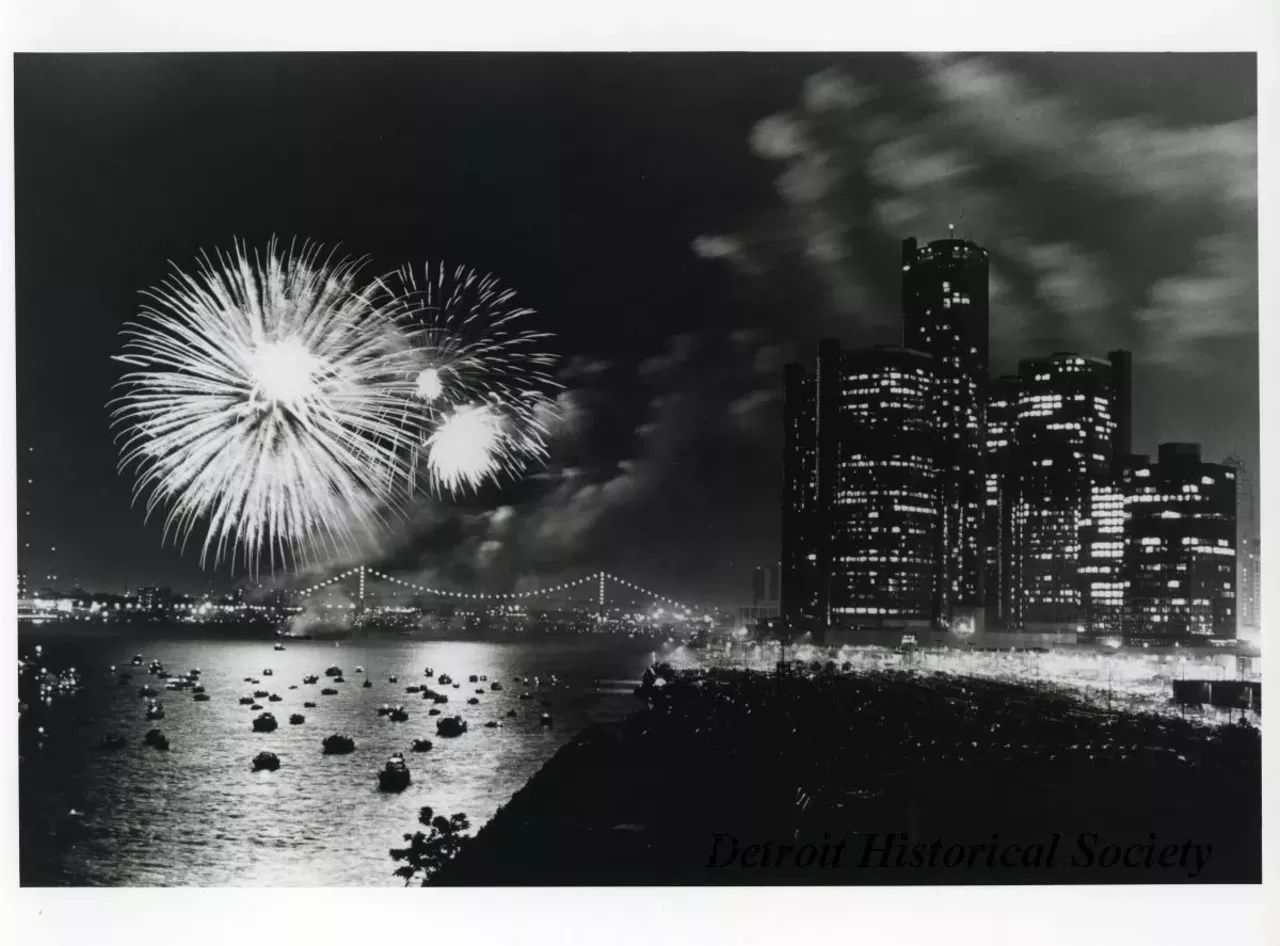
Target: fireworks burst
483, 382
269, 402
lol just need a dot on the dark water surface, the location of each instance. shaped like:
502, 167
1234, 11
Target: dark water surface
198, 814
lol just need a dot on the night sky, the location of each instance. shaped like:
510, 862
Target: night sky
684, 224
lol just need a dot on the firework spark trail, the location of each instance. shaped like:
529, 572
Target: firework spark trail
270, 402
483, 381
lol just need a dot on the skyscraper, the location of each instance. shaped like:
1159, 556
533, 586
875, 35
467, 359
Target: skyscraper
1001, 493
1066, 435
1248, 548
884, 510
800, 519
1179, 558
946, 315
860, 505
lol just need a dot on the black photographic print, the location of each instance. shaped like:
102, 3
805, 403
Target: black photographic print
654, 469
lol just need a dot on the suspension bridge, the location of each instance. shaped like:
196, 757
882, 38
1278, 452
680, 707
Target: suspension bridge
596, 585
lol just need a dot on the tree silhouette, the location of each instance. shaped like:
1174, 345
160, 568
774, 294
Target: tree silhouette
429, 853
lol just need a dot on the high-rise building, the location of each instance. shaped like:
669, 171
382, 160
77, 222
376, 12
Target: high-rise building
800, 519
999, 504
1102, 559
1066, 435
22, 586
884, 510
945, 302
1179, 560
860, 497
1248, 548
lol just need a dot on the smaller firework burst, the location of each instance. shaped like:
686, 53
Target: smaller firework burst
482, 384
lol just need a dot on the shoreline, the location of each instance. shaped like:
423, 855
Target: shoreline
719, 771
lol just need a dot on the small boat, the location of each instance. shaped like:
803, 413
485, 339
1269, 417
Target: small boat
260, 693
457, 685
248, 680
484, 678
297, 719
155, 711
422, 745
265, 723
392, 679
451, 726
311, 679
473, 679
246, 701
328, 691
137, 660
256, 706
492, 724
338, 744
359, 670
274, 698
293, 686
255, 681
156, 739
367, 683
495, 686
430, 672
511, 714
124, 680
413, 689
480, 691
394, 776
398, 715
445, 679
147, 691
339, 679
384, 709
112, 741
201, 697
545, 719
197, 689
474, 701
333, 672
308, 706
524, 696
278, 646
433, 711
267, 672
266, 760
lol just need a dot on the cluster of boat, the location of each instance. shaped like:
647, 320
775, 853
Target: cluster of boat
393, 777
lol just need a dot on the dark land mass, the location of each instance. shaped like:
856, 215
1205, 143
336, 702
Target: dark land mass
820, 758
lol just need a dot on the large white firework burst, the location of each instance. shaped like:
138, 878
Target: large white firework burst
268, 403
482, 381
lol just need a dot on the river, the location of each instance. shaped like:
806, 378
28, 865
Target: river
198, 815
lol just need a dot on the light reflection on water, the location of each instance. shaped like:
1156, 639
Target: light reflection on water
198, 815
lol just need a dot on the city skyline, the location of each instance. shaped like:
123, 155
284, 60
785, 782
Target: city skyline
678, 181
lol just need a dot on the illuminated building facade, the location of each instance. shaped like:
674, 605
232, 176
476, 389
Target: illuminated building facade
945, 300
884, 508
800, 519
860, 493
765, 587
1101, 560
1179, 561
1248, 549
1001, 469
1066, 439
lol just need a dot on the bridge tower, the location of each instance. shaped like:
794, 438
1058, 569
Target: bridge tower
600, 594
